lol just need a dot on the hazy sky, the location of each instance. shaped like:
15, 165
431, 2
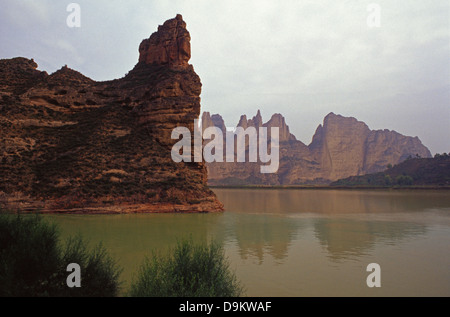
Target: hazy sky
303, 59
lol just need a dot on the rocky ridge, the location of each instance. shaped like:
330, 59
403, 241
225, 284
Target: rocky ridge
71, 144
341, 147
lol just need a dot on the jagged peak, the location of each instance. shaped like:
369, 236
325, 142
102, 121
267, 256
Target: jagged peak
332, 116
338, 119
243, 122
257, 120
170, 45
278, 116
217, 117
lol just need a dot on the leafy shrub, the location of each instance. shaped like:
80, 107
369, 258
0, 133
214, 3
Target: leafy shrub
190, 271
387, 180
33, 262
404, 180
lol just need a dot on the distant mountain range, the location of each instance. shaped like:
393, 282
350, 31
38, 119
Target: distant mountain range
341, 147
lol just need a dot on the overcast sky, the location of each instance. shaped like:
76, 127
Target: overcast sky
301, 58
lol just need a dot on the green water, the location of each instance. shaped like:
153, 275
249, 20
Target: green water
300, 242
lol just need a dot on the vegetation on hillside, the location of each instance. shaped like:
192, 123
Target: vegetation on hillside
412, 172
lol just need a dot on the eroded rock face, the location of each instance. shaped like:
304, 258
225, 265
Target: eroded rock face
169, 46
347, 147
71, 144
340, 148
279, 122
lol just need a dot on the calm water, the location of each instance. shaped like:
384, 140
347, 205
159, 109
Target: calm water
301, 242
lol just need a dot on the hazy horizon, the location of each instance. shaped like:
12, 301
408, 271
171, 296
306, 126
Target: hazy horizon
303, 59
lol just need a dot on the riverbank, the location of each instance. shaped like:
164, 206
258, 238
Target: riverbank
52, 207
328, 187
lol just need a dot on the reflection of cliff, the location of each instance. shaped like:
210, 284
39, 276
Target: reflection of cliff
284, 201
257, 235
258, 222
260, 235
348, 238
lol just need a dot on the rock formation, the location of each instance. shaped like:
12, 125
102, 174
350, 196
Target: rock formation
340, 148
171, 45
71, 144
347, 147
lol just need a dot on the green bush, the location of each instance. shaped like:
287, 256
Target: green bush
189, 271
387, 180
404, 180
33, 262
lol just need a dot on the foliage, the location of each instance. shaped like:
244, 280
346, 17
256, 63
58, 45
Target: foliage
404, 180
412, 172
387, 180
33, 262
443, 155
189, 271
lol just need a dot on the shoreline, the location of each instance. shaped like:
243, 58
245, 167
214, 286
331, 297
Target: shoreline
119, 209
325, 187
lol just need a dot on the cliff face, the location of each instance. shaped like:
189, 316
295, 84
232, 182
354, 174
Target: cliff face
340, 148
69, 143
347, 147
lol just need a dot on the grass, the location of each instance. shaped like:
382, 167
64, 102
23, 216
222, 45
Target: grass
189, 271
33, 261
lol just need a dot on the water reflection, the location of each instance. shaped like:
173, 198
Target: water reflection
256, 235
300, 242
349, 225
331, 201
132, 238
347, 239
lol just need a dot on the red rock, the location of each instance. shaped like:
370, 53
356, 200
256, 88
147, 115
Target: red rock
340, 148
69, 143
169, 46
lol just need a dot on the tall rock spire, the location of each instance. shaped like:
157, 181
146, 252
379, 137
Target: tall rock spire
170, 45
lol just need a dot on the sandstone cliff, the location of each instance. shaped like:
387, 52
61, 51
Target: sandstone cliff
341, 147
71, 144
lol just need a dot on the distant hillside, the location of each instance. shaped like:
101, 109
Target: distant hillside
341, 147
412, 172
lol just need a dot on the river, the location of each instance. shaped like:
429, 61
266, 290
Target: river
299, 242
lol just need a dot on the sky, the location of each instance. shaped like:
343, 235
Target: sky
387, 65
